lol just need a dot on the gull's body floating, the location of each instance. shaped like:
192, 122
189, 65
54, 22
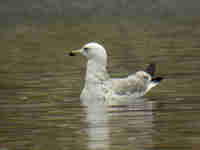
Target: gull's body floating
99, 85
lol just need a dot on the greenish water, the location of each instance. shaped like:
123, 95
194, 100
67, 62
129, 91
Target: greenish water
40, 87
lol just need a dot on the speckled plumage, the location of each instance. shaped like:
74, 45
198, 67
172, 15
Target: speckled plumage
99, 85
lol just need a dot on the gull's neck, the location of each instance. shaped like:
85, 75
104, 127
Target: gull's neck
96, 72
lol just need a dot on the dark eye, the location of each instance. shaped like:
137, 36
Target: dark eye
86, 49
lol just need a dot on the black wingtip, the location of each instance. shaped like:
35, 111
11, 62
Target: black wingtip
151, 69
157, 79
71, 54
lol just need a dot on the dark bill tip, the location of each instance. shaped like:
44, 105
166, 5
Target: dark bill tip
71, 54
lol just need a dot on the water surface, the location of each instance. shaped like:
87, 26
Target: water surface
40, 87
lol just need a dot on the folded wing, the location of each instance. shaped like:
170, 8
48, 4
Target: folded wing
129, 86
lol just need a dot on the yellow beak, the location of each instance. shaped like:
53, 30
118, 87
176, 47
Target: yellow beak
74, 52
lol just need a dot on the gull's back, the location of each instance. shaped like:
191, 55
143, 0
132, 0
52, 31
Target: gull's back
136, 85
131, 86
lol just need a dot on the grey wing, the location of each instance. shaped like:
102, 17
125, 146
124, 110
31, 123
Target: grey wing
128, 86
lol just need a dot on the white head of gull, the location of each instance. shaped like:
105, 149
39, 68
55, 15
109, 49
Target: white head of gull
99, 85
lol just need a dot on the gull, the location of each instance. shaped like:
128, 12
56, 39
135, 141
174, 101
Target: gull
98, 83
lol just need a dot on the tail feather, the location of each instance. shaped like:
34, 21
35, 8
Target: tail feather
151, 69
157, 79
154, 82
